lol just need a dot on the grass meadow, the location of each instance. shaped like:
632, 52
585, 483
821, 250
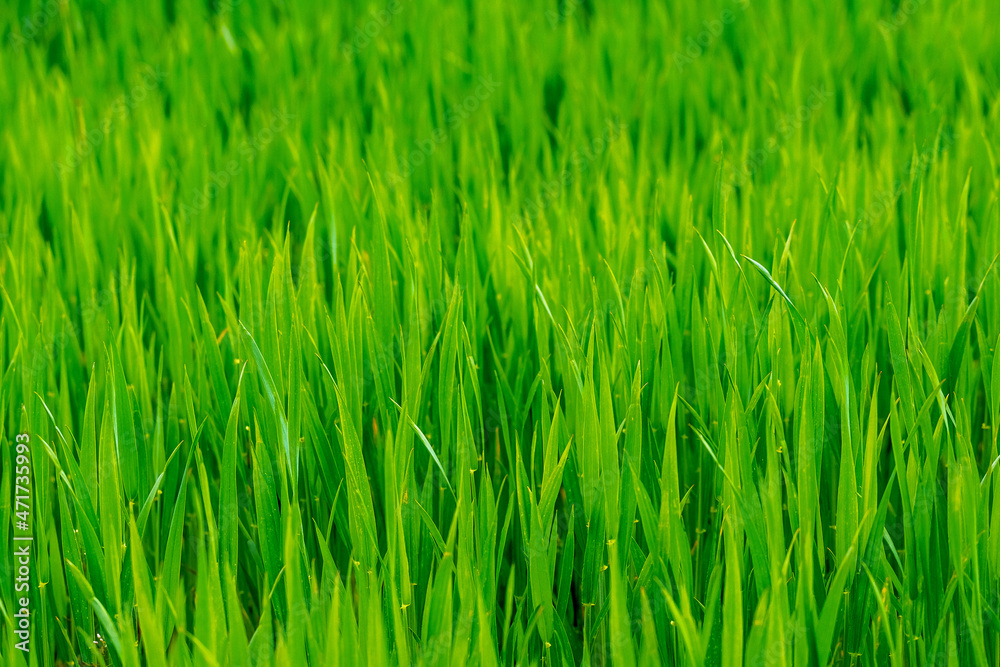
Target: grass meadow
482, 333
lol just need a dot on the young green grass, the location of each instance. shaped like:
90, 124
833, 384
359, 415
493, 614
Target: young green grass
500, 333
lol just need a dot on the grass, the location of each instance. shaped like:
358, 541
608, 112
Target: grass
501, 333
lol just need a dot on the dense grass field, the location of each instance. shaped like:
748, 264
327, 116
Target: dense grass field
479, 333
